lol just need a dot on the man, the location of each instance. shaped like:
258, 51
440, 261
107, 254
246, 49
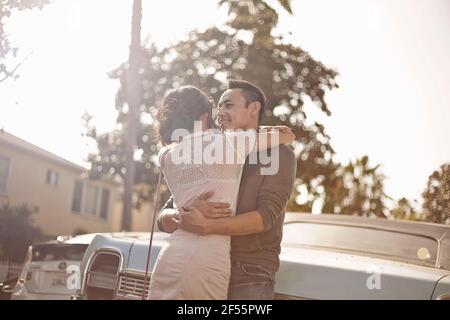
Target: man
256, 229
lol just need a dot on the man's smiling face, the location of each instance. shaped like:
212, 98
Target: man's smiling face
233, 113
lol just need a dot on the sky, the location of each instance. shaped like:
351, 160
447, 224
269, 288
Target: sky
392, 56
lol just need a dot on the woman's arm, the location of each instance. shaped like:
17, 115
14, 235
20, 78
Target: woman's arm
245, 142
272, 136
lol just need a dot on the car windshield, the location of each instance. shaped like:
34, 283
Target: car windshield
55, 252
365, 241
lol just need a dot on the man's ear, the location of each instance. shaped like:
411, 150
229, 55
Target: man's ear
255, 106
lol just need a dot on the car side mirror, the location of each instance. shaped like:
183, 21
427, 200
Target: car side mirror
6, 288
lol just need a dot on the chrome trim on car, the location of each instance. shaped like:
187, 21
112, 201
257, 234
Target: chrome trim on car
284, 296
98, 251
131, 285
438, 254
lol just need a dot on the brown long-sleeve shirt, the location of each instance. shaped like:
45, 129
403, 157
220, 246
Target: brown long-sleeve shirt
268, 194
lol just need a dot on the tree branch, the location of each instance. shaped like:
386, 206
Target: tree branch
10, 74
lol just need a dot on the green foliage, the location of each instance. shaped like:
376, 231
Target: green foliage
407, 210
16, 231
437, 196
354, 189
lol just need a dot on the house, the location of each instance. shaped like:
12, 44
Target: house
64, 198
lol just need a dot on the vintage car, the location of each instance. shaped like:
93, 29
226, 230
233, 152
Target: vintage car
49, 266
322, 257
114, 268
44, 273
6, 288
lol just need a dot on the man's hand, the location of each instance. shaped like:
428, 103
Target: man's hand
169, 220
209, 209
193, 221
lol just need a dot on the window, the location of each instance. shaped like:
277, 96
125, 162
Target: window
392, 245
77, 196
52, 177
4, 173
105, 202
58, 252
89, 199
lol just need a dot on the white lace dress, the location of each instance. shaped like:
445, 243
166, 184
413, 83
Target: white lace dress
195, 266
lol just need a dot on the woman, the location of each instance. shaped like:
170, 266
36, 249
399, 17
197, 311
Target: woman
196, 266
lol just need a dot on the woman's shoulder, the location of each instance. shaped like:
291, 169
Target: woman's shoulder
162, 153
239, 133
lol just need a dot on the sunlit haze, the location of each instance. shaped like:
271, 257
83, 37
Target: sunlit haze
393, 103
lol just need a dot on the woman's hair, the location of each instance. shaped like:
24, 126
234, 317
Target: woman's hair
180, 108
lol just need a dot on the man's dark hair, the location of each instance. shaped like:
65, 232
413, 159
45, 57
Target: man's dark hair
251, 94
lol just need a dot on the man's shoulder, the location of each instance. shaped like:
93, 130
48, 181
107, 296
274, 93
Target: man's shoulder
286, 149
287, 161
286, 152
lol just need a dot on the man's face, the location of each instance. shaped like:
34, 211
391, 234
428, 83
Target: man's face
233, 113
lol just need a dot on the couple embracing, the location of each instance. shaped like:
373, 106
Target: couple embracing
225, 214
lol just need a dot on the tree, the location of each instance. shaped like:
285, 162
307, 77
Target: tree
286, 73
437, 196
16, 231
354, 189
407, 210
7, 50
244, 48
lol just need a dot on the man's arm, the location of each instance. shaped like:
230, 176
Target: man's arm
195, 221
276, 189
272, 198
168, 216
242, 224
